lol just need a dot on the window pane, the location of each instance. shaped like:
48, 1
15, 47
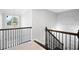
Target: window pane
12, 21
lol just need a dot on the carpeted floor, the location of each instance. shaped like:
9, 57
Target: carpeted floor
27, 46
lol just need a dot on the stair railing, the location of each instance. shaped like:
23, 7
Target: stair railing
14, 36
69, 40
52, 42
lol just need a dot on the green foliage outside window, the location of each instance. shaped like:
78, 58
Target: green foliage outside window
13, 21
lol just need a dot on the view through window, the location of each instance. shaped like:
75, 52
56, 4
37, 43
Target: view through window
12, 21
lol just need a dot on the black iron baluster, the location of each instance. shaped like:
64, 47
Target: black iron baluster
21, 35
10, 38
3, 40
59, 44
18, 36
15, 37
46, 37
6, 39
0, 40
59, 39
70, 43
25, 36
51, 42
46, 44
56, 43
10, 41
62, 40
66, 41
78, 39
74, 42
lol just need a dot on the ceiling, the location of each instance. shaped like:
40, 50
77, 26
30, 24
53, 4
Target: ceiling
59, 10
15, 11
25, 11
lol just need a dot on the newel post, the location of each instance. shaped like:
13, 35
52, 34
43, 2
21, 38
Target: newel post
46, 36
78, 39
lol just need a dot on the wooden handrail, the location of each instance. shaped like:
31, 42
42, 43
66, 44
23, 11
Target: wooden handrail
66, 37
63, 32
15, 28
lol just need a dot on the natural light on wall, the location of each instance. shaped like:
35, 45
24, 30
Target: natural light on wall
58, 27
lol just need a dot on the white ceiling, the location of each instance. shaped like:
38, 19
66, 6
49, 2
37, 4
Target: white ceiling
24, 11
15, 11
59, 10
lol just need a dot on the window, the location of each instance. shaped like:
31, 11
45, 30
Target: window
12, 21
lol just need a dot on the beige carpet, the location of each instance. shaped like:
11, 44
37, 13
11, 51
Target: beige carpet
27, 46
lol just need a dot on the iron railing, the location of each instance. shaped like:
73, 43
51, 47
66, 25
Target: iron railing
69, 40
52, 43
14, 36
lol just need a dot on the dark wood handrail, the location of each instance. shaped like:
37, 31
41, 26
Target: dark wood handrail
63, 32
15, 28
65, 39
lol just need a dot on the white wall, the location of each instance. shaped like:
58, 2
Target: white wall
26, 19
0, 21
41, 19
68, 21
